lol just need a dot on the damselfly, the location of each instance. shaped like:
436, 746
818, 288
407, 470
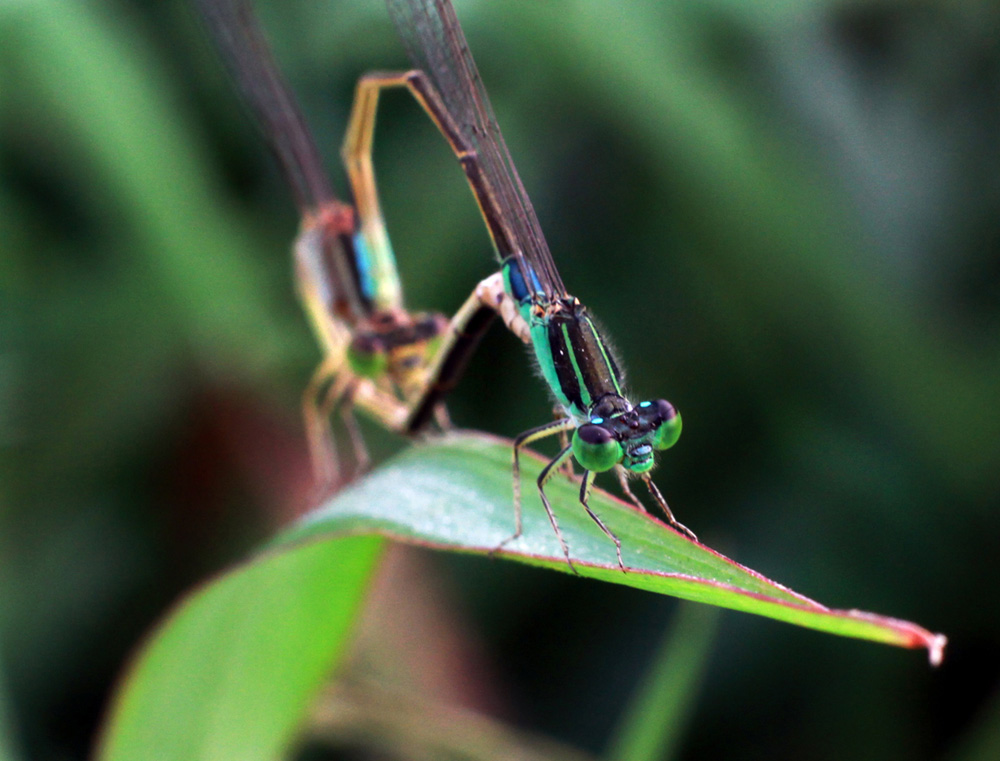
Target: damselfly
393, 365
607, 431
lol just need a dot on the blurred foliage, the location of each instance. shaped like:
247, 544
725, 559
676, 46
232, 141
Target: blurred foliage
233, 673
788, 217
654, 725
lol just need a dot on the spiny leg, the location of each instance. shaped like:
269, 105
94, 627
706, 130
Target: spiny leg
622, 474
666, 508
585, 487
541, 432
335, 395
543, 478
350, 391
322, 450
316, 285
362, 460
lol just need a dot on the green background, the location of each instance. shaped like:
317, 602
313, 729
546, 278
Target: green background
785, 217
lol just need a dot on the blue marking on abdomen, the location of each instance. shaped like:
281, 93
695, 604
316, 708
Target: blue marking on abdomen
519, 288
363, 263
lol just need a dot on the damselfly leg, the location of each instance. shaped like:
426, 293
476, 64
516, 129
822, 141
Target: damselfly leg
526, 438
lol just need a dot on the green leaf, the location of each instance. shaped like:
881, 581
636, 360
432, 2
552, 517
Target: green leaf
455, 493
234, 669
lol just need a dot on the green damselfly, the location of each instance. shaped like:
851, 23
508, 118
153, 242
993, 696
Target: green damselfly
606, 431
394, 365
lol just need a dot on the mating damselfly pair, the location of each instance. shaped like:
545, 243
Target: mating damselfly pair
397, 366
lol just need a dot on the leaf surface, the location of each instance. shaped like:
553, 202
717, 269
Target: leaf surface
456, 493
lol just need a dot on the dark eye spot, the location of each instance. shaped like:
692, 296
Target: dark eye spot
594, 434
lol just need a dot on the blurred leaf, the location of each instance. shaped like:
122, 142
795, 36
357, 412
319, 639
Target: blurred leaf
455, 493
233, 670
9, 745
394, 724
653, 723
72, 60
981, 741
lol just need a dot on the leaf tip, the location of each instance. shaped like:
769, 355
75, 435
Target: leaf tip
935, 649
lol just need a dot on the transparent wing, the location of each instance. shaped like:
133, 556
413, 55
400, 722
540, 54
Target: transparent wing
328, 274
248, 57
435, 43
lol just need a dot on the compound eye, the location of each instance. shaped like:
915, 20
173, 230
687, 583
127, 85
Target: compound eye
595, 448
669, 428
367, 356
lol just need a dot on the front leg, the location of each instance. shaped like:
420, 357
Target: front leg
322, 449
622, 475
666, 508
585, 488
543, 478
541, 432
567, 467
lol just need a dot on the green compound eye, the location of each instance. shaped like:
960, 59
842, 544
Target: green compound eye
669, 429
595, 448
367, 357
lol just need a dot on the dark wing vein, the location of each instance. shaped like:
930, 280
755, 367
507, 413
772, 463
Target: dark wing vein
435, 43
248, 57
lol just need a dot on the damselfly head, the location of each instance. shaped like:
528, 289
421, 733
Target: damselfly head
410, 348
398, 345
396, 342
628, 436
